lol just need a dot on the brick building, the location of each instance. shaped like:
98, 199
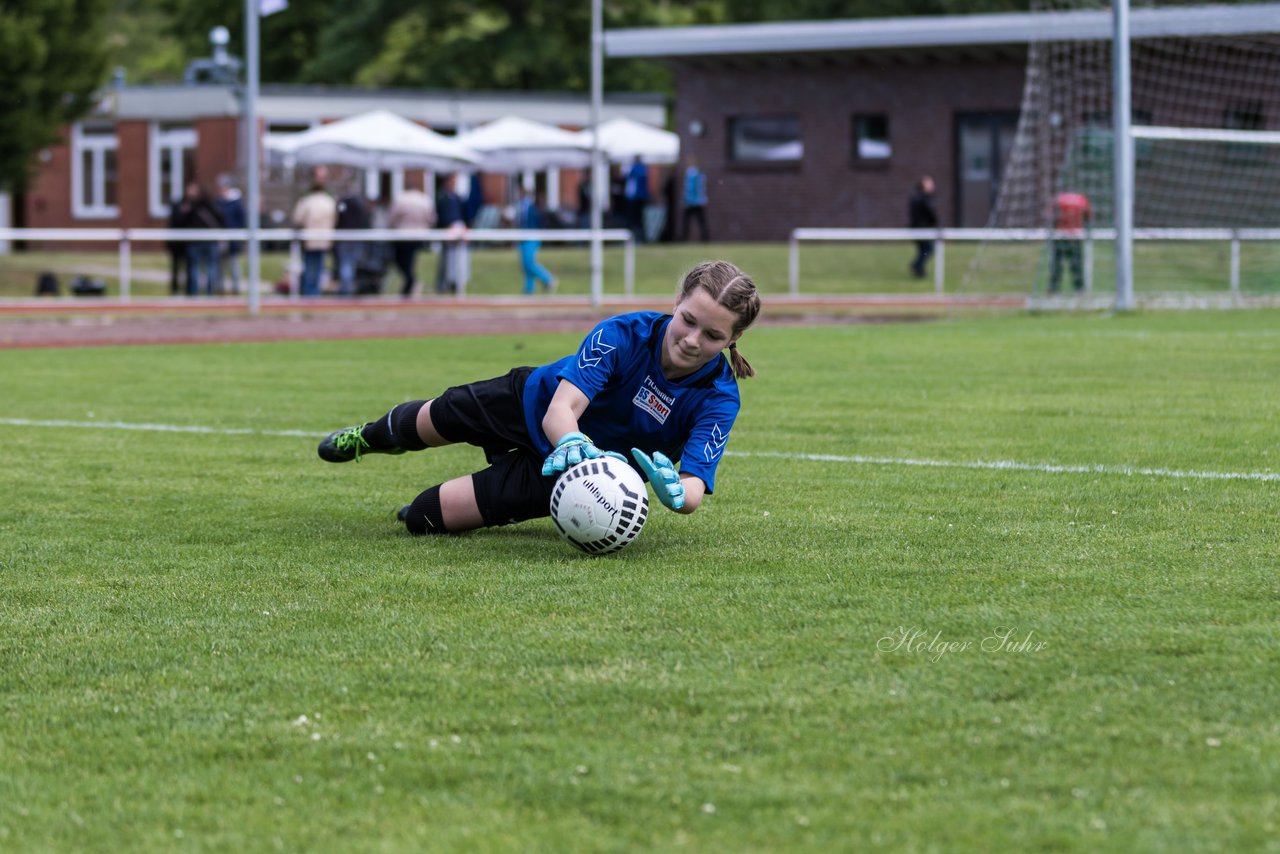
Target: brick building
831, 123
122, 166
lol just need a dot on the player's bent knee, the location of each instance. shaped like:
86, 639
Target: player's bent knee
424, 514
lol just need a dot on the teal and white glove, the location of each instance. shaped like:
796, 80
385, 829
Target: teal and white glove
663, 476
572, 449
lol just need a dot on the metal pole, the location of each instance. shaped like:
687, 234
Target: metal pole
939, 265
628, 268
793, 265
1088, 264
598, 174
1123, 155
1235, 264
253, 178
126, 262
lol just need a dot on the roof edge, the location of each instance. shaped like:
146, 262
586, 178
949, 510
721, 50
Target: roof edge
934, 31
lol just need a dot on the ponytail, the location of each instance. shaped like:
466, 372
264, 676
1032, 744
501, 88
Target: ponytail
741, 367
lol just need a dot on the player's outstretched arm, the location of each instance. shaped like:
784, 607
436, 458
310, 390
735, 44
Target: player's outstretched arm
676, 493
694, 489
560, 424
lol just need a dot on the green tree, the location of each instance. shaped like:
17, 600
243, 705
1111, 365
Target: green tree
477, 44
53, 57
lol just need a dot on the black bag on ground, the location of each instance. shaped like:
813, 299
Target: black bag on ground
83, 286
47, 285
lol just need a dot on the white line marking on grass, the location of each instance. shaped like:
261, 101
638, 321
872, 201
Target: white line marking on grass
1010, 465
855, 459
159, 428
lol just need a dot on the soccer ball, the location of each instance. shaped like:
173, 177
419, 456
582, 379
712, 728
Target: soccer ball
600, 505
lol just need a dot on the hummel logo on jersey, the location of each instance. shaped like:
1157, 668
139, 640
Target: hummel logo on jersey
593, 351
715, 447
653, 401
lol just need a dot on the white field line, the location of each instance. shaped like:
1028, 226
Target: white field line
854, 459
1010, 465
158, 428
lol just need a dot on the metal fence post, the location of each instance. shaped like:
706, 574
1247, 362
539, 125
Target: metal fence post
794, 265
629, 269
126, 260
294, 273
939, 264
1235, 263
1087, 263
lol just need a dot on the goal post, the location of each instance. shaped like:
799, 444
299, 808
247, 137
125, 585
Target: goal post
1203, 139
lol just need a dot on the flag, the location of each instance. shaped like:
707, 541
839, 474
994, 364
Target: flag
270, 7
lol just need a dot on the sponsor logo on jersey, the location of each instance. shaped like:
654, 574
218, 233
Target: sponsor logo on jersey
593, 351
653, 400
715, 447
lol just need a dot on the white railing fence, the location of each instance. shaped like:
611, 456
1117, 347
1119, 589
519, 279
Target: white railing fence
126, 238
941, 236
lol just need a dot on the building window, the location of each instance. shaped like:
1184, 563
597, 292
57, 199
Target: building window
93, 171
1245, 117
765, 139
170, 165
871, 138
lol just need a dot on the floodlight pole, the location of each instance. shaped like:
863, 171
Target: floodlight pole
597, 173
1123, 154
253, 180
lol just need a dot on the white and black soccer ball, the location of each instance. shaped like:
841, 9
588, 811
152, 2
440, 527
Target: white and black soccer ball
600, 505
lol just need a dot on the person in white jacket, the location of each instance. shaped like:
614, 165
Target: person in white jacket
316, 211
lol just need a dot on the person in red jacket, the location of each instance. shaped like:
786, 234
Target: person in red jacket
1071, 215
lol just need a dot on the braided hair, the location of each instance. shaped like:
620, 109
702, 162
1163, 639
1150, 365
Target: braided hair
730, 287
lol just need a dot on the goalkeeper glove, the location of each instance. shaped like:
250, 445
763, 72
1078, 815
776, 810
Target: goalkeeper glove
572, 449
662, 474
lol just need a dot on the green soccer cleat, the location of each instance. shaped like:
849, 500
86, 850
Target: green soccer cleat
348, 444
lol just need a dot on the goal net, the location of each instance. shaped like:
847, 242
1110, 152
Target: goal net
1206, 127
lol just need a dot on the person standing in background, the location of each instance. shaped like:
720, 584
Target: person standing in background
529, 215
454, 267
198, 212
353, 215
316, 211
922, 214
636, 192
695, 201
177, 251
231, 206
412, 210
1072, 213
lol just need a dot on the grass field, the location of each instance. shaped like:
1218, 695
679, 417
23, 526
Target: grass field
824, 268
212, 640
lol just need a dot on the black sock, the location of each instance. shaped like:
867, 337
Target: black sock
424, 515
397, 429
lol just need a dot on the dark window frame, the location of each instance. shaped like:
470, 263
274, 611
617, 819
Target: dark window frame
735, 161
860, 120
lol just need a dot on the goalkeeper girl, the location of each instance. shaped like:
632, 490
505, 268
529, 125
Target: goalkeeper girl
654, 387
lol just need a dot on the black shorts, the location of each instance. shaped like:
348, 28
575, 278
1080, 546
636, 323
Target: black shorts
490, 415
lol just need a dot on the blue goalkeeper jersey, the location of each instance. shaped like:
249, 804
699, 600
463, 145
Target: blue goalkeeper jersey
632, 405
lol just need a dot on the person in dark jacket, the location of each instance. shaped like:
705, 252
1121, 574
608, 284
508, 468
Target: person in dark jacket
198, 212
231, 207
454, 268
177, 252
353, 214
922, 214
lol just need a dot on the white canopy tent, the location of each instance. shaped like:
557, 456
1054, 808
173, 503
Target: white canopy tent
378, 139
514, 144
622, 139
